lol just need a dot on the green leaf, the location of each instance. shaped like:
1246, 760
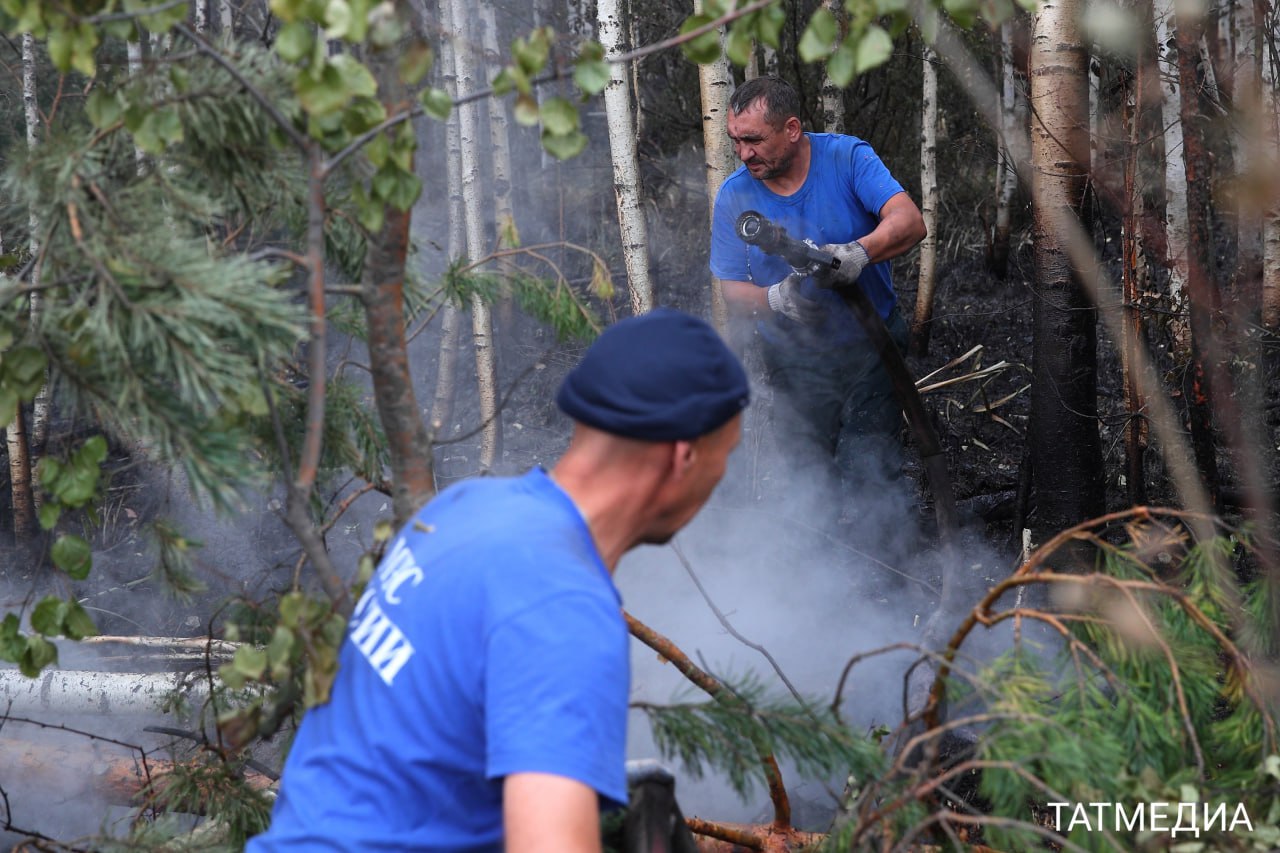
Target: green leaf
840, 67
560, 117
25, 366
38, 654
504, 81
769, 26
525, 110
437, 103
103, 107
295, 41
94, 449
405, 192
12, 643
250, 662
378, 149
73, 555
415, 62
48, 514
47, 616
706, 47
531, 54
8, 404
341, 79
874, 49
59, 47
740, 46
819, 36
890, 7
337, 19
963, 12
78, 624
565, 146
591, 72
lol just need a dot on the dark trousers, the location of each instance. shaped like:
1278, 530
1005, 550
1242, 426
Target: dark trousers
836, 418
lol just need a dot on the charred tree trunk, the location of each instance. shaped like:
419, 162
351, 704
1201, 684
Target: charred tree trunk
382, 292
626, 166
1202, 292
1133, 272
715, 83
920, 325
1065, 446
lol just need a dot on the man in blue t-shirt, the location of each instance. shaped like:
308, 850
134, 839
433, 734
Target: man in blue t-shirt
834, 408
481, 697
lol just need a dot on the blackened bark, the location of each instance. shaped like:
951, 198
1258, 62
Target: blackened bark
1202, 292
1065, 446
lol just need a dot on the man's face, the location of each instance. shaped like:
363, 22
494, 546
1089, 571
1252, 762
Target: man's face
710, 460
766, 150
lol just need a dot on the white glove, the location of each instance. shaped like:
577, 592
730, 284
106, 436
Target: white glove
785, 299
853, 259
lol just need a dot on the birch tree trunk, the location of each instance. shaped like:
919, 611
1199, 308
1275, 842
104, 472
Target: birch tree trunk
451, 317
1134, 280
500, 145
226, 18
1175, 173
920, 325
481, 318
715, 84
202, 16
17, 437
1007, 172
1271, 214
134, 50
626, 166
833, 95
1202, 293
1065, 447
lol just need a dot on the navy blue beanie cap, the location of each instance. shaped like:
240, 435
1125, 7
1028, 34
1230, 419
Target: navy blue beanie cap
662, 376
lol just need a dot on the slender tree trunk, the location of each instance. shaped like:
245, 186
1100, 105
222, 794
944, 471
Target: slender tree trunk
135, 54
24, 509
202, 16
1066, 451
1242, 68
833, 95
1007, 173
1133, 271
500, 145
1095, 114
481, 319
1175, 174
715, 83
226, 18
1202, 292
382, 291
626, 165
920, 325
1271, 208
451, 319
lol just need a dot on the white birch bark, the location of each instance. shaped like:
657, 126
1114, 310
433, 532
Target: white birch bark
481, 318
1271, 221
833, 95
451, 317
21, 440
1095, 116
715, 85
226, 18
86, 692
928, 200
202, 16
626, 167
499, 137
1012, 114
770, 64
134, 50
1175, 174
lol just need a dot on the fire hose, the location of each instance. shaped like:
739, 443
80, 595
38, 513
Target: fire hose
773, 239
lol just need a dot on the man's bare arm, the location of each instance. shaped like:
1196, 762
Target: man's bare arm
543, 813
901, 227
745, 297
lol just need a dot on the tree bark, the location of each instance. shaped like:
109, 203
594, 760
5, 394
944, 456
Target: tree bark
626, 165
833, 95
481, 319
920, 325
1202, 292
1065, 446
1271, 210
1175, 174
1133, 274
715, 83
202, 16
1011, 127
24, 508
226, 19
500, 145
382, 293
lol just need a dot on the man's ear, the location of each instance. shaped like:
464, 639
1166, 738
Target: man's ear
683, 455
793, 127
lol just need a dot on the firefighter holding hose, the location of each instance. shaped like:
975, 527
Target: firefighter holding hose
834, 406
481, 699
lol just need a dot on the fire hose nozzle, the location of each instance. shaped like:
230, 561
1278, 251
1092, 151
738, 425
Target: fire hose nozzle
755, 230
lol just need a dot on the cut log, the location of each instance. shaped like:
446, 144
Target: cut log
86, 692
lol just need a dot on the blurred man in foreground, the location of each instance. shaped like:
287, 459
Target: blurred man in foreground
482, 694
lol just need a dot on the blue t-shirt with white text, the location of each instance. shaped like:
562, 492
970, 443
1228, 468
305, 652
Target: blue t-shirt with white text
490, 641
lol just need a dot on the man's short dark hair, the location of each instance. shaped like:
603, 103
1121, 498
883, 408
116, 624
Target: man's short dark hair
780, 100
